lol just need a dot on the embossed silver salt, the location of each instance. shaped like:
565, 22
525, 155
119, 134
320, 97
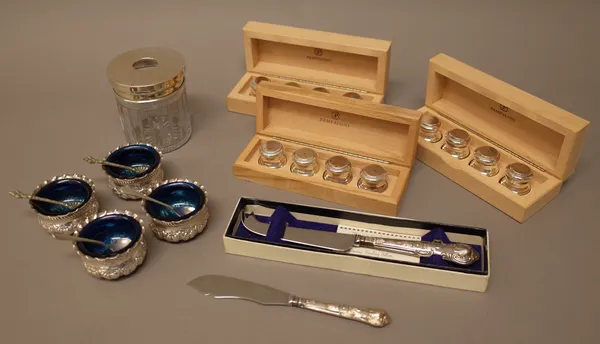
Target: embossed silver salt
76, 192
100, 261
188, 214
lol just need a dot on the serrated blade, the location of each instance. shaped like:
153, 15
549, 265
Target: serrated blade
224, 287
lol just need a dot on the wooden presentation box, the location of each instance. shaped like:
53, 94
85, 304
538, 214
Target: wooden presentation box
363, 132
239, 241
338, 63
522, 127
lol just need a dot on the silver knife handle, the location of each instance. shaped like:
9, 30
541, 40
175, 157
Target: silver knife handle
457, 253
373, 317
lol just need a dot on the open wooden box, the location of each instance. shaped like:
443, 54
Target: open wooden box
339, 63
522, 127
363, 132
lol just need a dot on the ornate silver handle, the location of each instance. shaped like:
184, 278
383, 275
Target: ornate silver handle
373, 317
457, 253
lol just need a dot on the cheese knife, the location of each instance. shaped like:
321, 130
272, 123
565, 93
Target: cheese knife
457, 253
225, 287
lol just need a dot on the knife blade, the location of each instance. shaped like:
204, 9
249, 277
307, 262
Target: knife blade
457, 253
225, 287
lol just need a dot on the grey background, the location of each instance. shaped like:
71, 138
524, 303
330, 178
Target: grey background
57, 107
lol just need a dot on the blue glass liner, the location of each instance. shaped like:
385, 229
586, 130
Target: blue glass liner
64, 190
281, 216
133, 156
180, 195
106, 229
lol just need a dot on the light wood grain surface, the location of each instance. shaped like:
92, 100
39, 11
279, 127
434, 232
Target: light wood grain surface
57, 107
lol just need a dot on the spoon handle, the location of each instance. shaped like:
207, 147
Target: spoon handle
93, 160
76, 238
144, 197
21, 195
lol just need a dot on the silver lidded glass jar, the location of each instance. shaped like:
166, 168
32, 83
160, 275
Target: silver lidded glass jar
149, 86
373, 178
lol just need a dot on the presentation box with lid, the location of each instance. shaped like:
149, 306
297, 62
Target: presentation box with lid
521, 127
238, 240
336, 63
363, 132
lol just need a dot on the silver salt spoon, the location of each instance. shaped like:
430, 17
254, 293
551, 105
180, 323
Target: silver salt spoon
22, 195
116, 245
92, 160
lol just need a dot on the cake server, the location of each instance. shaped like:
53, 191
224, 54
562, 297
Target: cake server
457, 253
224, 287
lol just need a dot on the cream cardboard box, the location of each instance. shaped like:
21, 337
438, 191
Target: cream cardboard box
426, 270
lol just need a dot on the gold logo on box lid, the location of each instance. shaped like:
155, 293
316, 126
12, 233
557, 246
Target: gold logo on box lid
318, 55
503, 110
334, 118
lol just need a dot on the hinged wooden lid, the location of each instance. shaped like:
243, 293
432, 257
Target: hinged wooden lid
349, 62
355, 127
542, 134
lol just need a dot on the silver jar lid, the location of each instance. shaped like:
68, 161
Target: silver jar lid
458, 138
487, 155
373, 174
271, 149
338, 164
519, 172
146, 73
305, 156
430, 123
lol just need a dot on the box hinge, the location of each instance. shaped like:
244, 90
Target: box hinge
349, 89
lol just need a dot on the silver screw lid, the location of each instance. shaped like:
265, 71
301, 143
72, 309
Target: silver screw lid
519, 172
458, 138
430, 123
338, 164
271, 149
487, 155
305, 156
373, 174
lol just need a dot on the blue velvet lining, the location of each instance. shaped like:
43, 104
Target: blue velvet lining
281, 216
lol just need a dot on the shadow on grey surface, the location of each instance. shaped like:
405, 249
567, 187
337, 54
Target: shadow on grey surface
201, 107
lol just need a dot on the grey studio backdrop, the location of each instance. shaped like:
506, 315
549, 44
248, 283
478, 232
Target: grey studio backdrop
57, 107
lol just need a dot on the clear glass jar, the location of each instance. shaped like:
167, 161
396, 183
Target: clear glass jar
486, 160
149, 86
457, 143
305, 162
338, 170
517, 179
373, 178
271, 154
430, 128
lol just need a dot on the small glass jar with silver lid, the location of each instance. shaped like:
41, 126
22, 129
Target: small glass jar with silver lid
457, 143
373, 178
486, 160
338, 170
150, 89
518, 178
305, 162
430, 128
271, 154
